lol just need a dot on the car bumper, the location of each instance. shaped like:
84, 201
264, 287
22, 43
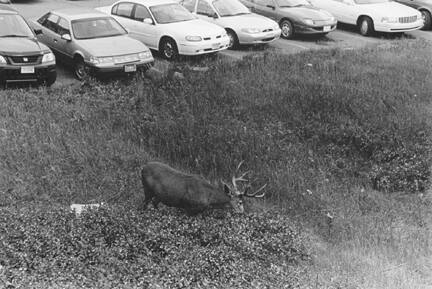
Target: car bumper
42, 72
203, 47
258, 38
304, 29
398, 27
128, 67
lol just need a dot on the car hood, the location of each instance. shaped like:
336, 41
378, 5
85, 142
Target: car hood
307, 12
196, 27
21, 46
109, 46
389, 9
246, 21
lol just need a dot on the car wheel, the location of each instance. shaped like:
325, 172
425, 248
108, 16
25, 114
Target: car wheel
81, 71
51, 79
427, 18
287, 29
168, 49
233, 39
366, 26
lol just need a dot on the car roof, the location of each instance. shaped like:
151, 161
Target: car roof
78, 13
6, 9
151, 2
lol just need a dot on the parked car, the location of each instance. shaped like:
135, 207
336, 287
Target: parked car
425, 8
373, 15
92, 42
294, 16
168, 27
22, 57
242, 26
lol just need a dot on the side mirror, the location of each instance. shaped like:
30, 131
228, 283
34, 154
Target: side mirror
214, 15
38, 31
148, 21
271, 6
66, 37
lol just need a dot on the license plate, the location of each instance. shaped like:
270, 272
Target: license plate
216, 45
130, 68
27, 69
326, 28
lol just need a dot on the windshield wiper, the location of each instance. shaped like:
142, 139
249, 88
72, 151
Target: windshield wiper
14, 35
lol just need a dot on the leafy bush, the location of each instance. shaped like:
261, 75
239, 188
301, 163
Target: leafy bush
116, 246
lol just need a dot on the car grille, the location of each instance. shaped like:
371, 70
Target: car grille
126, 58
212, 37
322, 22
28, 59
409, 19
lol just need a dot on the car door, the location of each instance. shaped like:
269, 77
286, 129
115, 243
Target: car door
142, 30
206, 12
48, 24
64, 46
345, 11
266, 8
122, 12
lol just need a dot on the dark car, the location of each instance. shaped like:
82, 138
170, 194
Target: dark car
294, 16
22, 57
425, 7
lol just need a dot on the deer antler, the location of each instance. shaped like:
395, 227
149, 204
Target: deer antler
255, 194
238, 179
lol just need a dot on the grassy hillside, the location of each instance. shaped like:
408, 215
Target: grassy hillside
322, 128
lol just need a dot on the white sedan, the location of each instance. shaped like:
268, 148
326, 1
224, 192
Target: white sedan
242, 26
373, 15
168, 27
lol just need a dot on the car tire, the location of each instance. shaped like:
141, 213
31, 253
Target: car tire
51, 79
81, 71
366, 26
287, 29
427, 20
168, 48
233, 39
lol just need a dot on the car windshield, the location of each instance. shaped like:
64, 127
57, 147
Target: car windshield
170, 13
370, 1
292, 3
96, 28
14, 26
230, 7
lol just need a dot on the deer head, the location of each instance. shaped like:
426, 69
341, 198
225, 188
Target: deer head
236, 195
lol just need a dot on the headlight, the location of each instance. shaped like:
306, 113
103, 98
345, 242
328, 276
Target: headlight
389, 19
2, 60
308, 21
145, 55
48, 57
251, 30
193, 38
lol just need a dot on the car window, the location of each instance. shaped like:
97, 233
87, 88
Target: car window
141, 13
12, 25
51, 22
189, 4
97, 28
205, 9
63, 27
123, 9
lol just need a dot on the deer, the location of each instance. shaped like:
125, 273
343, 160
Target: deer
173, 188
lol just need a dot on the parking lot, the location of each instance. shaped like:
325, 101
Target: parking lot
344, 37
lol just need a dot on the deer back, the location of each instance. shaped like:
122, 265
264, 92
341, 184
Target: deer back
177, 189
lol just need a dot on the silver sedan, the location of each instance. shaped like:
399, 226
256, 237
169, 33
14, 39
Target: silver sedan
91, 42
